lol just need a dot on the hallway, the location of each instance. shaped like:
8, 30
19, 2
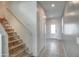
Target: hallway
62, 23
39, 29
54, 48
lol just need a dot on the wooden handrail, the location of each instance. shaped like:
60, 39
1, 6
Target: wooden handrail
11, 37
1, 18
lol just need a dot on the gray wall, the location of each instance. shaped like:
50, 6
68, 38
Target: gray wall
71, 30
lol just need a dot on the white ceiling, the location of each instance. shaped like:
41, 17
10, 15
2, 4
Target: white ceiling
72, 12
53, 11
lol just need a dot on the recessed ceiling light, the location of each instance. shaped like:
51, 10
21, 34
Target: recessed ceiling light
71, 14
75, 2
44, 16
52, 5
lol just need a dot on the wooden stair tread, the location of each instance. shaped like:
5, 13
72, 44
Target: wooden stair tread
9, 29
11, 36
7, 25
10, 32
16, 46
14, 40
18, 52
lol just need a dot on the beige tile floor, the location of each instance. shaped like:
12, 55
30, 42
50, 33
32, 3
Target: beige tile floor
54, 48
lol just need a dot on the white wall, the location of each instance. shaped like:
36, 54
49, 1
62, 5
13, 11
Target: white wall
3, 34
4, 42
58, 23
26, 24
41, 21
26, 14
24, 33
71, 30
0, 45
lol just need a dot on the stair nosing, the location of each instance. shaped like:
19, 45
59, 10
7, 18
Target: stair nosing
15, 46
10, 32
14, 40
19, 52
10, 36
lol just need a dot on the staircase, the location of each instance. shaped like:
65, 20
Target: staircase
15, 44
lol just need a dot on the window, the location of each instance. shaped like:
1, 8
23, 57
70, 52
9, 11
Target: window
53, 29
70, 29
